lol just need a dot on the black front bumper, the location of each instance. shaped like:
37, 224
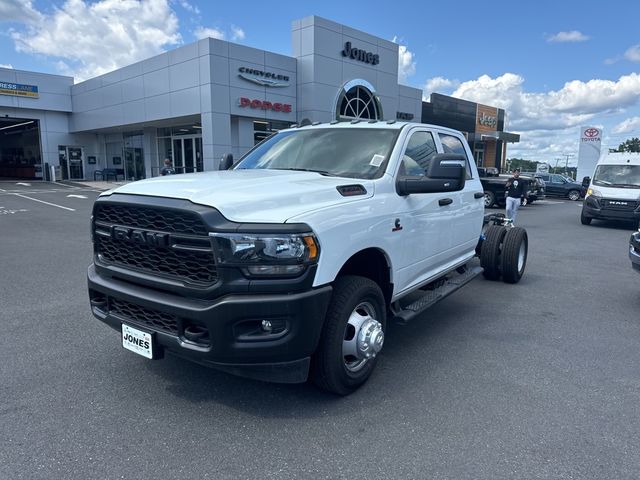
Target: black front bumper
602, 209
235, 340
634, 251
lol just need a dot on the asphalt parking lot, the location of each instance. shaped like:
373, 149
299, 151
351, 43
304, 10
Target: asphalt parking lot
535, 380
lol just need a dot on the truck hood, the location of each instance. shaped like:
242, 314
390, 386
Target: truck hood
268, 196
618, 193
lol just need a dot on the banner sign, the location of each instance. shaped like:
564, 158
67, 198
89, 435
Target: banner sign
588, 151
18, 90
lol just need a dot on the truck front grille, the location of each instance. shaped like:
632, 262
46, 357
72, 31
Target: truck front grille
150, 218
168, 243
619, 205
152, 319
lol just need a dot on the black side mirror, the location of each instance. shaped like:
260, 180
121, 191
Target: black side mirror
447, 173
226, 162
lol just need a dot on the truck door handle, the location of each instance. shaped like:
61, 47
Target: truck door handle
445, 201
478, 195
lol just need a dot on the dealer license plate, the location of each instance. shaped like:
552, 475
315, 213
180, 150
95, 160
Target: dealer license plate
137, 341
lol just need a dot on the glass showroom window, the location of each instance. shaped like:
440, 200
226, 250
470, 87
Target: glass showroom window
263, 128
358, 101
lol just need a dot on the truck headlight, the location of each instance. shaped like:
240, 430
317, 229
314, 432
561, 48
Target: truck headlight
594, 192
268, 254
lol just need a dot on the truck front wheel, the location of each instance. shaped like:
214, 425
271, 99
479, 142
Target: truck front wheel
352, 336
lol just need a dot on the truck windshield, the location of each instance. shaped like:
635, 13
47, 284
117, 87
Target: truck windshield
622, 176
342, 152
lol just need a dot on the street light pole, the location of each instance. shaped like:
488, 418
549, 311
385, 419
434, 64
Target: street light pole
566, 163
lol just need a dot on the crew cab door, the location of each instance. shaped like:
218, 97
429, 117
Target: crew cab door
465, 216
423, 218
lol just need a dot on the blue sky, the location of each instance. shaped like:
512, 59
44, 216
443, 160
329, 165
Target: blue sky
553, 66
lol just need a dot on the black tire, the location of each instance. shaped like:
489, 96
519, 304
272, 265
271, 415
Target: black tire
489, 199
584, 219
515, 249
490, 253
329, 368
573, 195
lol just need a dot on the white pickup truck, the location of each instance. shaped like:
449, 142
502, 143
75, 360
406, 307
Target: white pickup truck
288, 264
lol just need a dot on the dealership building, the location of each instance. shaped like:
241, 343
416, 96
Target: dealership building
200, 101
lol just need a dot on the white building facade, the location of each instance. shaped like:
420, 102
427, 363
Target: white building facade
196, 103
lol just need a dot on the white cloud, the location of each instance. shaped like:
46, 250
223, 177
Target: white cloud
567, 37
629, 125
202, 32
18, 11
439, 85
189, 7
406, 63
92, 38
6, 65
237, 33
633, 54
570, 106
549, 121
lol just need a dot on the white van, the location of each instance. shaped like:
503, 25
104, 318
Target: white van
614, 191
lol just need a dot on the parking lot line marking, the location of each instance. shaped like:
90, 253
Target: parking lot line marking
47, 203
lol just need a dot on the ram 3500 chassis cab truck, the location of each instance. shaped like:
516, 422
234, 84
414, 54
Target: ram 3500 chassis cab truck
289, 263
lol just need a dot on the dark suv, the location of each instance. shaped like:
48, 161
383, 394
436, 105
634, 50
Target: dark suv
562, 186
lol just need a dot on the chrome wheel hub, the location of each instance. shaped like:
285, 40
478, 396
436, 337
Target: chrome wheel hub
370, 338
521, 257
363, 337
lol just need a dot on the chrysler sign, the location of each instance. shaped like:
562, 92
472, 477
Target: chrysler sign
262, 78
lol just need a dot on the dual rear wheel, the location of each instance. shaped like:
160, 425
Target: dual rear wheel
504, 253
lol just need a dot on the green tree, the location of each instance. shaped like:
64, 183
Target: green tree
631, 145
523, 165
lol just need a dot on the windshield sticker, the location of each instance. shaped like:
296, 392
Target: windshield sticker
377, 160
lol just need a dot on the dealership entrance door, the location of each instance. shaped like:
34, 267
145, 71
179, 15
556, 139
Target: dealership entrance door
187, 154
20, 151
183, 146
71, 162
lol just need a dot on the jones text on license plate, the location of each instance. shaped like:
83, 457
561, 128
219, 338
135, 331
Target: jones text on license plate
137, 341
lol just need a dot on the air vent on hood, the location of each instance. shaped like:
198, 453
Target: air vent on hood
351, 190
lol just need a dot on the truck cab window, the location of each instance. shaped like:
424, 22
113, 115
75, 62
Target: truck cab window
451, 144
417, 156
